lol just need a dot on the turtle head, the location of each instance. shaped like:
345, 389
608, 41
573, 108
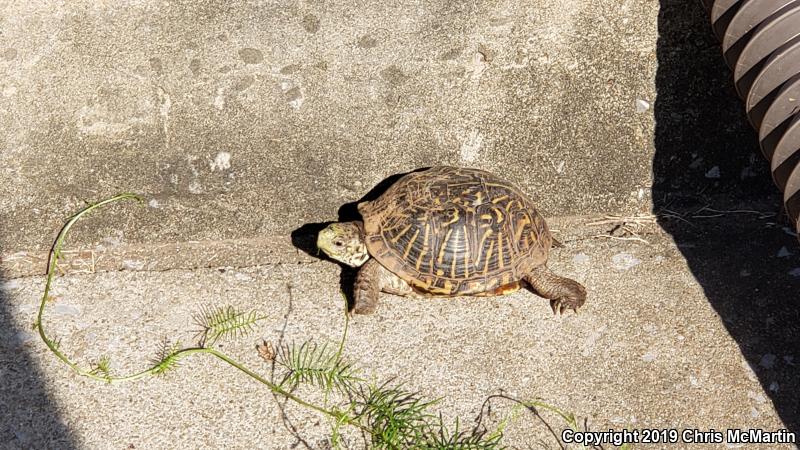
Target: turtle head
344, 242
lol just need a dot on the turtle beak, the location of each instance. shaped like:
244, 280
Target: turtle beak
324, 239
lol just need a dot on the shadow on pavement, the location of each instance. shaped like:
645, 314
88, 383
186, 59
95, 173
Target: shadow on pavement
29, 417
713, 193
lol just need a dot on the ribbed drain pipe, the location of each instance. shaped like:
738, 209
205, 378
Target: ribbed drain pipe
761, 44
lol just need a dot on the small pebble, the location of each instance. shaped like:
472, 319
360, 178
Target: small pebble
649, 356
112, 241
625, 261
132, 264
784, 252
23, 438
774, 386
767, 361
642, 105
221, 162
754, 413
581, 258
22, 337
67, 310
153, 203
713, 172
788, 359
747, 172
795, 272
242, 276
744, 273
10, 285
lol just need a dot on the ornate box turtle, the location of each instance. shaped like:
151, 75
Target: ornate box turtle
448, 231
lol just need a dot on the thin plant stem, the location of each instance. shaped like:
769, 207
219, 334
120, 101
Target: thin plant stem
52, 263
278, 390
55, 254
329, 383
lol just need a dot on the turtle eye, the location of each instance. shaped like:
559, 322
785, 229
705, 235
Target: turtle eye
338, 243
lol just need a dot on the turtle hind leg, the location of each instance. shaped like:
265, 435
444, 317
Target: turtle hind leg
563, 293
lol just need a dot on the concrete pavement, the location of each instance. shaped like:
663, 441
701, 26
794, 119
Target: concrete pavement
647, 350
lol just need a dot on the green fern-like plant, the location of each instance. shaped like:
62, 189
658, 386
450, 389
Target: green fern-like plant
317, 365
54, 343
398, 418
167, 358
102, 368
224, 322
441, 437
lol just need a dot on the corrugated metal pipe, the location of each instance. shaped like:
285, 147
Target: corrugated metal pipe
761, 44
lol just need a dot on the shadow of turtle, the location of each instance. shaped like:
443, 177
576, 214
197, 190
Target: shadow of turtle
305, 237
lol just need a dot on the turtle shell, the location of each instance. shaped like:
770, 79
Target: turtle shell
456, 231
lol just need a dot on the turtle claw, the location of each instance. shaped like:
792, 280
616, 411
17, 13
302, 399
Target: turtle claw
559, 306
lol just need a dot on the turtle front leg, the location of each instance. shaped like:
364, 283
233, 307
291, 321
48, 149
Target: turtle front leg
563, 293
371, 280
367, 288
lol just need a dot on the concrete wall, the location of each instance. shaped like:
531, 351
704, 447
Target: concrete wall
240, 119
